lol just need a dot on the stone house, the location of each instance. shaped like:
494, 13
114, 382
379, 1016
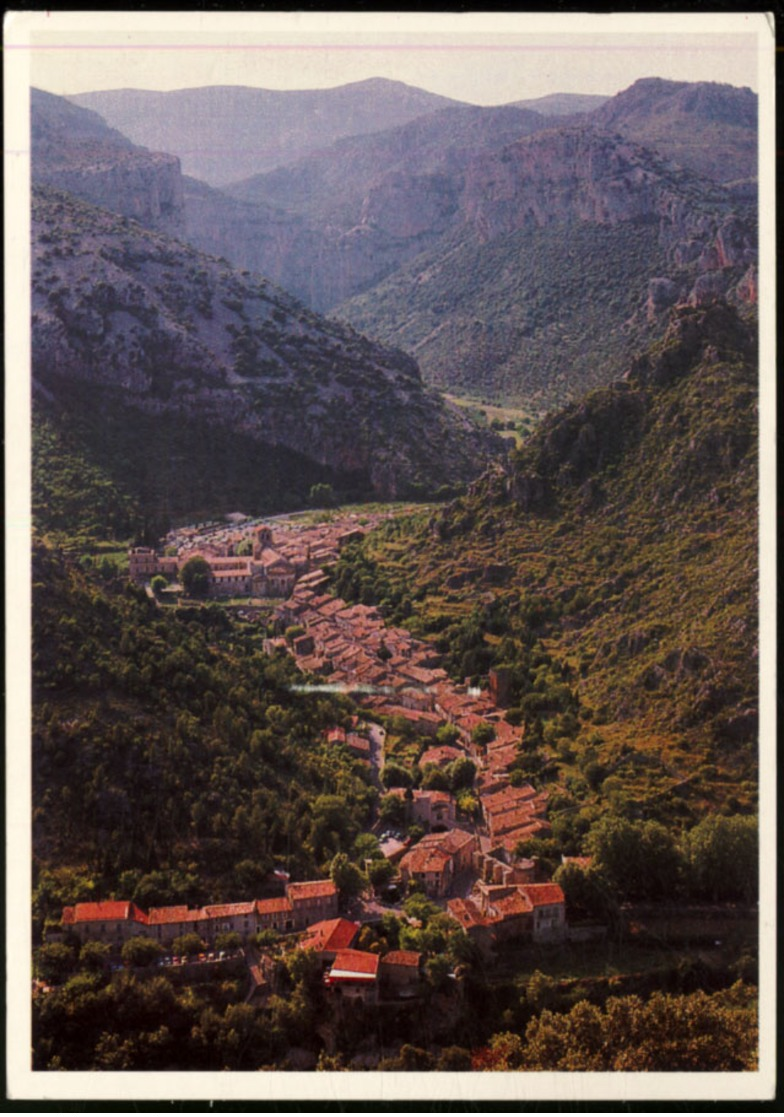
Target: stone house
400, 971
437, 859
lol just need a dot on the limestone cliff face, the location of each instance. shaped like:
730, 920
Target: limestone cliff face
581, 174
74, 150
144, 186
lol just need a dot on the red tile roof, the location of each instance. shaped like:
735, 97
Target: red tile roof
441, 754
402, 958
104, 911
330, 934
357, 964
310, 889
225, 911
273, 906
426, 860
180, 913
540, 894
505, 907
466, 912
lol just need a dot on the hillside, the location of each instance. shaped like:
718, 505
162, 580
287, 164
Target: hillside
612, 571
573, 244
148, 330
226, 133
400, 195
168, 754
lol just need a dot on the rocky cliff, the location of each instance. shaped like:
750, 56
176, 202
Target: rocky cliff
707, 127
171, 331
73, 149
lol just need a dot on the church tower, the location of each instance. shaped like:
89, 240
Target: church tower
262, 538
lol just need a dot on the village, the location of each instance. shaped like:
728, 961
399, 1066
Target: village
465, 861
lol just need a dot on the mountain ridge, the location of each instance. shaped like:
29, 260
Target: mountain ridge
215, 130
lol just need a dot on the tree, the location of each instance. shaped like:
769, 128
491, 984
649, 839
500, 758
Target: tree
366, 848
140, 951
437, 972
322, 495
94, 956
54, 961
380, 872
189, 943
638, 859
394, 775
196, 576
723, 858
447, 734
461, 773
228, 941
392, 811
483, 734
454, 1058
587, 893
434, 779
685, 1032
347, 877
158, 584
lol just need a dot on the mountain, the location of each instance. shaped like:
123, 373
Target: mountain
331, 234
75, 150
563, 104
226, 371
706, 126
517, 256
226, 133
611, 571
571, 245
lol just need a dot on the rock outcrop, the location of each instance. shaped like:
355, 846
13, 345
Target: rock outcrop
74, 150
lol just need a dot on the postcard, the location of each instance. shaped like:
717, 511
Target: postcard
391, 555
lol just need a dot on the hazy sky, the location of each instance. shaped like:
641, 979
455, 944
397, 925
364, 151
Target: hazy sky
482, 58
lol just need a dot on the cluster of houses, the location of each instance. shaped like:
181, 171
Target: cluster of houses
275, 564
115, 921
398, 676
308, 907
487, 887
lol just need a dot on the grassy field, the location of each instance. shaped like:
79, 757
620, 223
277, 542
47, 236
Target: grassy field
510, 422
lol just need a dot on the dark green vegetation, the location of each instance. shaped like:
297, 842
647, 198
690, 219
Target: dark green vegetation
492, 317
171, 761
691, 1032
612, 573
102, 470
